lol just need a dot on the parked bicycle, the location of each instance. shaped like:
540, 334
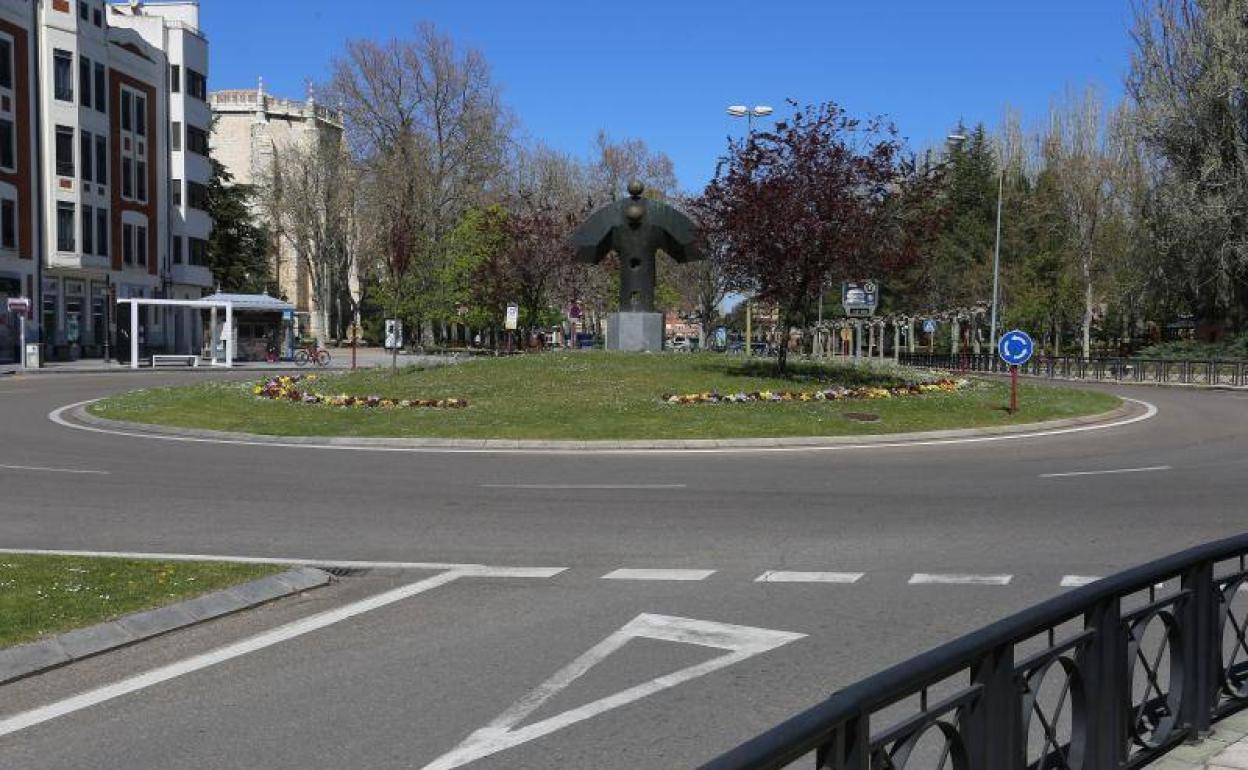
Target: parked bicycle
311, 354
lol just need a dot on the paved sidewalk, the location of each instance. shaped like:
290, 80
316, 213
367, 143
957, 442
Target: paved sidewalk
1225, 749
366, 358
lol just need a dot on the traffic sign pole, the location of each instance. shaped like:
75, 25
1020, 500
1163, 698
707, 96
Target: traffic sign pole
1014, 389
1015, 348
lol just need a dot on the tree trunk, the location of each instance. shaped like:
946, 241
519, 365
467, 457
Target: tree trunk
1087, 308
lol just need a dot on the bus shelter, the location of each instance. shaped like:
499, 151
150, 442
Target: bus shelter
212, 305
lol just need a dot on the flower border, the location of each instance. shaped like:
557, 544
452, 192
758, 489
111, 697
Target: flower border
827, 394
285, 388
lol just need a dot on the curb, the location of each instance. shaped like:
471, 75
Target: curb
77, 414
26, 660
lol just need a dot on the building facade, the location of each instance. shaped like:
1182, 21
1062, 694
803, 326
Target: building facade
103, 171
250, 129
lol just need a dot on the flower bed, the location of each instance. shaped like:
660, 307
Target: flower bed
287, 389
825, 394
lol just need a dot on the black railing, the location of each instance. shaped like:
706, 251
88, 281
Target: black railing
1154, 370
983, 702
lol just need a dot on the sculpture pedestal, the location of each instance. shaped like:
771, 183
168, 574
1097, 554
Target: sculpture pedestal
635, 332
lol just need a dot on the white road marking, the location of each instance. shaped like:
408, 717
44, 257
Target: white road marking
583, 486
924, 578
659, 574
1075, 581
351, 563
742, 642
1150, 411
1149, 469
40, 469
778, 576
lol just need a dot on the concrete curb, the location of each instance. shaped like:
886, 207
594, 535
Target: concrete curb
79, 415
29, 659
1226, 748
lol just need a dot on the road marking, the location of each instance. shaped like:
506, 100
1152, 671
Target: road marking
742, 642
777, 576
258, 642
1075, 581
583, 486
924, 578
1150, 411
1149, 469
40, 469
659, 574
350, 563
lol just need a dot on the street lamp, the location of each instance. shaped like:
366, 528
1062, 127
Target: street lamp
996, 251
749, 113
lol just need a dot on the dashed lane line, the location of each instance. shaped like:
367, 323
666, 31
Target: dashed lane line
1110, 472
41, 469
1076, 581
925, 578
780, 576
584, 486
659, 574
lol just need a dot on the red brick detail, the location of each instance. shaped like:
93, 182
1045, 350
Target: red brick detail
116, 81
23, 178
60, 5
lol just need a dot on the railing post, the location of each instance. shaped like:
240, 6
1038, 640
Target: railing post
1201, 650
993, 724
1106, 685
849, 749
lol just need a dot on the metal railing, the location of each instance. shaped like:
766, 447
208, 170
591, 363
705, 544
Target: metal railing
1155, 370
979, 702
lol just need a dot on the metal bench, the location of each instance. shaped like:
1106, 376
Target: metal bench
190, 359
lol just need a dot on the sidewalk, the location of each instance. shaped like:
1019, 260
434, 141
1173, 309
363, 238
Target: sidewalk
1225, 749
366, 358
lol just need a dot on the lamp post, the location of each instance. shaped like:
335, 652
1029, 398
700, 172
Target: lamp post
996, 251
749, 113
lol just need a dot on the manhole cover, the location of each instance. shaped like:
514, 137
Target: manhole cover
862, 417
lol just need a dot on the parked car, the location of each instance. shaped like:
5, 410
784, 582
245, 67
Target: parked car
680, 344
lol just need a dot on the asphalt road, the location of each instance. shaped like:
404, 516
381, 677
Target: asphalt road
563, 668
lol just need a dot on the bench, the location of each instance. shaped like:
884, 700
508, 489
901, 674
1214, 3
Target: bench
190, 359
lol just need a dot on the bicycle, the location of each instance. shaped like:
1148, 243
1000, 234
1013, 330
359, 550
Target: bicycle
311, 354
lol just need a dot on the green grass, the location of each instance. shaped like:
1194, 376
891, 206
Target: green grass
42, 595
589, 396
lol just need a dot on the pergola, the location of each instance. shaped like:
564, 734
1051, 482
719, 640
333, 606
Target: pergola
210, 304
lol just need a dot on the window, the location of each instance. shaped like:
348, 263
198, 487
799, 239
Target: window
127, 178
175, 78
175, 137
196, 85
175, 191
127, 244
140, 115
97, 17
64, 226
8, 153
101, 91
84, 11
6, 63
84, 81
140, 244
197, 195
125, 111
88, 223
8, 224
101, 160
140, 177
198, 251
63, 75
84, 155
64, 151
177, 249
101, 232
197, 140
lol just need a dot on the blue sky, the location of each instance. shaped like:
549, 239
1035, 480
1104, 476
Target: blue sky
665, 71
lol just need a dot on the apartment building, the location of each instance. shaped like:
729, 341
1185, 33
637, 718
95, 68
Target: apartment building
108, 177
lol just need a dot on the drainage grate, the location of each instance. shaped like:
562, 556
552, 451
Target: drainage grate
344, 572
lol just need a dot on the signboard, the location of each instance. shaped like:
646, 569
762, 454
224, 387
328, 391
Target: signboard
929, 326
394, 334
19, 305
1015, 347
575, 311
288, 315
513, 318
860, 298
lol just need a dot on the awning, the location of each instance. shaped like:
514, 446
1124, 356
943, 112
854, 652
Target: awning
252, 302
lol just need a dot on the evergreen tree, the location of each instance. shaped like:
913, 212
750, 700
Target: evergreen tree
238, 248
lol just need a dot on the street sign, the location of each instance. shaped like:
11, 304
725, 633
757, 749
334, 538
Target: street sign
575, 311
18, 305
860, 298
394, 334
929, 326
1015, 347
288, 315
513, 318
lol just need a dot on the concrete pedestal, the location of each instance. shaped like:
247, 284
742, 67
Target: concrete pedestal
635, 331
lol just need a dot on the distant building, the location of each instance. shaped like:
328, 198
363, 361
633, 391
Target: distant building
103, 169
251, 128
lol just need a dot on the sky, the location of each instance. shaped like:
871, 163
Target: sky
664, 72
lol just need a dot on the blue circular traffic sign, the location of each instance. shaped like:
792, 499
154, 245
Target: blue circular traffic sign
1016, 347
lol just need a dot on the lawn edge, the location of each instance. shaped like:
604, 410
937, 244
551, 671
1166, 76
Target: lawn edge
26, 660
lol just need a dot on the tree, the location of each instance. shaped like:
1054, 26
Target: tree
703, 285
238, 247
822, 197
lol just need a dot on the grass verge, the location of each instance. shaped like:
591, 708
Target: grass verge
44, 595
598, 396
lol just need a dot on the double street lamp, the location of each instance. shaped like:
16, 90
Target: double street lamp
749, 113
996, 251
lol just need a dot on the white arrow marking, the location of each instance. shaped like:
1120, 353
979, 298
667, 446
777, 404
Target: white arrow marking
741, 641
